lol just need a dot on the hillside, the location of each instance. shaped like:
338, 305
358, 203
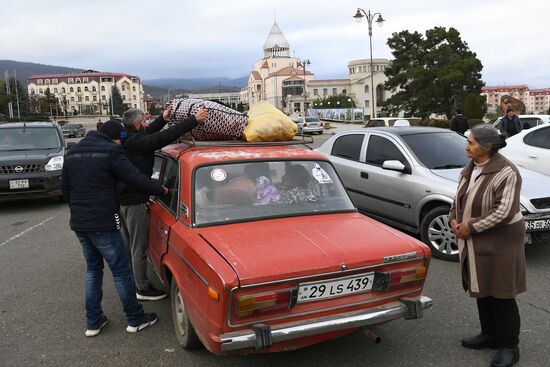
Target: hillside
26, 69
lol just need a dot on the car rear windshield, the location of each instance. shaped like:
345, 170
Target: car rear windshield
35, 138
255, 190
71, 126
443, 150
312, 119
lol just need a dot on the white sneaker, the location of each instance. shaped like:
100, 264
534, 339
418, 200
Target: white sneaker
102, 322
148, 319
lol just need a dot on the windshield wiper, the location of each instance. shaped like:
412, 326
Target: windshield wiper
449, 166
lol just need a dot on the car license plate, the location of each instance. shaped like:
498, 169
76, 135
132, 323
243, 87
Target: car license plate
537, 225
335, 288
19, 184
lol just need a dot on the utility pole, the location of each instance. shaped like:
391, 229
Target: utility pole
8, 93
16, 94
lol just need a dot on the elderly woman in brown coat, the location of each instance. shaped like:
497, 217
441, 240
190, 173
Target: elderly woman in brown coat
487, 220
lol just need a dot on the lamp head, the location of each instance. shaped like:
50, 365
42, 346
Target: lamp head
358, 16
380, 20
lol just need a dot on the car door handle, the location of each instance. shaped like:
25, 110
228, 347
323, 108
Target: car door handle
532, 156
365, 175
164, 231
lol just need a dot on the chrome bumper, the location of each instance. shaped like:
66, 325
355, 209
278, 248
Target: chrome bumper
262, 336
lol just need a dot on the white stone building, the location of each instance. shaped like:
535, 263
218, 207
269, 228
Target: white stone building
88, 92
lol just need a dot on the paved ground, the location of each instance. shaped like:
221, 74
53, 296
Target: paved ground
42, 312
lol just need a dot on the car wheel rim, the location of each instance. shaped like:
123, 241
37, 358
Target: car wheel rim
441, 236
180, 314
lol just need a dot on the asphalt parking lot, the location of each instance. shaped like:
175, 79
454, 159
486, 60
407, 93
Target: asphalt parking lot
42, 311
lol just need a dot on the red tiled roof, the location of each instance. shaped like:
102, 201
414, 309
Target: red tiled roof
288, 70
504, 88
292, 78
265, 65
256, 75
80, 75
539, 91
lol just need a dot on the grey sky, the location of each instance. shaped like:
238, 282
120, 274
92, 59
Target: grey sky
223, 38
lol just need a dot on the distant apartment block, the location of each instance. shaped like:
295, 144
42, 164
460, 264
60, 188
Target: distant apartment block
536, 101
88, 92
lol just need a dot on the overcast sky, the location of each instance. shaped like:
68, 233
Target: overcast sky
223, 38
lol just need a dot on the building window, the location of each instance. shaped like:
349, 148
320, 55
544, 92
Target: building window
85, 89
85, 80
72, 99
315, 92
325, 91
32, 91
70, 81
123, 88
62, 90
54, 81
93, 89
87, 99
380, 94
47, 81
367, 103
344, 92
78, 90
366, 88
39, 82
135, 99
134, 88
123, 98
103, 98
95, 98
135, 105
71, 89
79, 99
334, 91
103, 88
77, 80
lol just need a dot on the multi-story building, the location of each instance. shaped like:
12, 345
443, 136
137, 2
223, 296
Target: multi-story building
230, 99
284, 82
88, 92
536, 101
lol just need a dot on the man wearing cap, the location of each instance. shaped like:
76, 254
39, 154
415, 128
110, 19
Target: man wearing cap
510, 124
89, 179
140, 146
459, 123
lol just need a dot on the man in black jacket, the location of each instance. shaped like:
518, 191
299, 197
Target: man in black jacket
90, 174
140, 145
459, 123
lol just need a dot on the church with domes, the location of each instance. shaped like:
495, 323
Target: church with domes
278, 78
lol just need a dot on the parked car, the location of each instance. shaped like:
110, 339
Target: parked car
530, 149
527, 121
390, 121
308, 125
73, 130
31, 159
407, 177
263, 250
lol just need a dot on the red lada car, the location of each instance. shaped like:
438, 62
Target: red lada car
263, 250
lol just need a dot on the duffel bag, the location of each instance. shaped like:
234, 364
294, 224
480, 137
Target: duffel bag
223, 123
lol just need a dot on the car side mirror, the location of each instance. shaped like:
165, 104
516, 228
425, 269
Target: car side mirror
395, 165
70, 145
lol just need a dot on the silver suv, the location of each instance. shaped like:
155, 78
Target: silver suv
407, 177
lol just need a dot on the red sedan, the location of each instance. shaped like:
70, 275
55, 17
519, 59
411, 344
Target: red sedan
263, 250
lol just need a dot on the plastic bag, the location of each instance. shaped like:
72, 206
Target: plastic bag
267, 123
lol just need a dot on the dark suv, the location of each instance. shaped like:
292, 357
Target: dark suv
31, 159
73, 130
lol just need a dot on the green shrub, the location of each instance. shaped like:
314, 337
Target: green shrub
440, 123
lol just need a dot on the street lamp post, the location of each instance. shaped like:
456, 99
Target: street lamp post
305, 63
370, 17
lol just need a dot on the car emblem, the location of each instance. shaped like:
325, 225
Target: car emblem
18, 169
344, 266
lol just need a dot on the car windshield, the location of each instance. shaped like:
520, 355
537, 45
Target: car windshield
245, 191
312, 119
71, 126
29, 139
440, 150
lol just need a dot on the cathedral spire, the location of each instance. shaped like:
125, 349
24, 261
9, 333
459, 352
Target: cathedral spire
276, 44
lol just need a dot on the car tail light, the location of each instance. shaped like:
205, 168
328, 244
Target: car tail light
407, 275
264, 302
305, 124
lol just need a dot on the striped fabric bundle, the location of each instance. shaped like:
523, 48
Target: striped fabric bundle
223, 123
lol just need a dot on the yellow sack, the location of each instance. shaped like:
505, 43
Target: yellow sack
267, 123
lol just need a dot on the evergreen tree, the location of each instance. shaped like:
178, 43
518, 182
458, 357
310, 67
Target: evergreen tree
13, 97
473, 107
431, 73
117, 103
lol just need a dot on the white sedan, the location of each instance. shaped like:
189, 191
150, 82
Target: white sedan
530, 149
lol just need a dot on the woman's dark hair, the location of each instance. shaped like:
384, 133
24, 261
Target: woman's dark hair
488, 137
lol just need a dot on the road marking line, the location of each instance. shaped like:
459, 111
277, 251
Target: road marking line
25, 231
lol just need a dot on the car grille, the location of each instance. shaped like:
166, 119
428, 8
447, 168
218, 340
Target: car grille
20, 168
541, 203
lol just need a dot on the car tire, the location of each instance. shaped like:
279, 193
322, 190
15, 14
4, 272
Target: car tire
435, 231
185, 333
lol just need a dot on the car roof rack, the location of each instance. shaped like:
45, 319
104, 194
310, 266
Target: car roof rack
305, 140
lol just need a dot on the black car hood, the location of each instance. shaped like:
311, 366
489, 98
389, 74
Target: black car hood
17, 155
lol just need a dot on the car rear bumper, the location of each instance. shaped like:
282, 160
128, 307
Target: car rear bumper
313, 129
263, 336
